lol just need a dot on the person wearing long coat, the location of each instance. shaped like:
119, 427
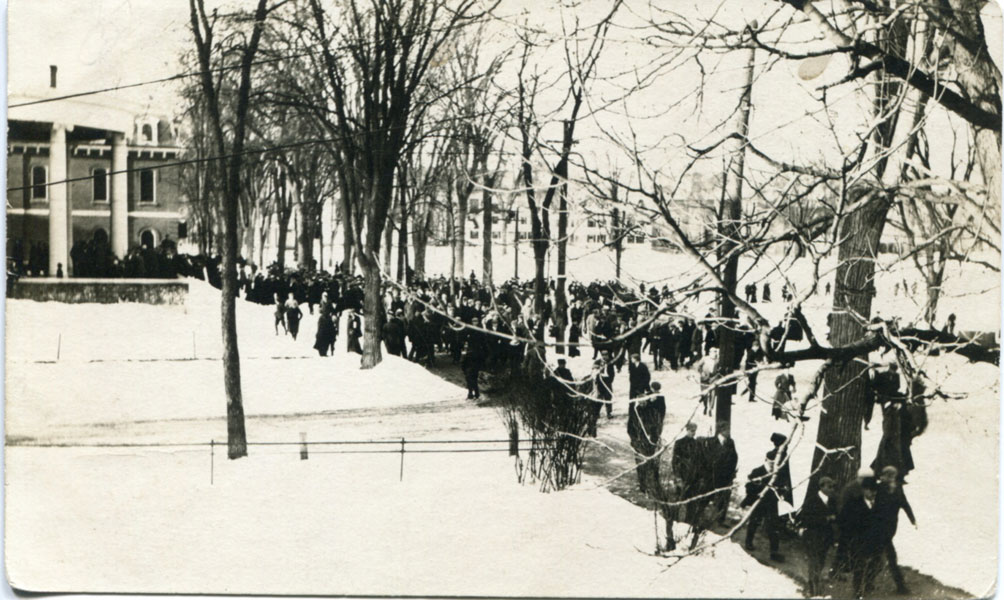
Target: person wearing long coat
818, 517
355, 332
293, 315
759, 487
324, 340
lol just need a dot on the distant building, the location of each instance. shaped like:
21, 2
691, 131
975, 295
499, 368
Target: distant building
87, 169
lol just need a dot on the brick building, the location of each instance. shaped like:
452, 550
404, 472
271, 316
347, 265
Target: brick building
81, 170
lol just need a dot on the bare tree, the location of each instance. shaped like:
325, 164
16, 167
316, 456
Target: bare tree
229, 146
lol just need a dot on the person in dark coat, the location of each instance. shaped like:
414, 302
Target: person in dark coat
759, 487
644, 427
889, 500
574, 335
324, 340
783, 482
474, 358
754, 355
354, 333
686, 467
817, 518
605, 383
861, 530
639, 377
293, 315
723, 458
851, 492
562, 379
393, 334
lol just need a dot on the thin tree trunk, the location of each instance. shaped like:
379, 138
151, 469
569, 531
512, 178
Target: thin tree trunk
486, 230
305, 237
560, 301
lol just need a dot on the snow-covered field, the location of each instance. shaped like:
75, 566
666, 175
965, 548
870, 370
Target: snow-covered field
90, 519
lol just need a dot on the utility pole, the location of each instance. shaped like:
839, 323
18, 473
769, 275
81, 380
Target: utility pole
729, 231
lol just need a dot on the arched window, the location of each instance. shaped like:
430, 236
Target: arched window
148, 239
147, 133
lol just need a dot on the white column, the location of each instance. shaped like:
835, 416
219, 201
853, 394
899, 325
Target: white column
58, 202
119, 197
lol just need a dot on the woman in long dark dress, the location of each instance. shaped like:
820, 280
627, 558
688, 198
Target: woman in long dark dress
474, 359
355, 332
326, 331
293, 315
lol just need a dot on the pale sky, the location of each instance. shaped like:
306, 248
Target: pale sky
102, 43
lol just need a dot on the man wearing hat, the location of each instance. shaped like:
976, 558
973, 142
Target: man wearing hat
850, 494
818, 517
762, 491
685, 466
639, 377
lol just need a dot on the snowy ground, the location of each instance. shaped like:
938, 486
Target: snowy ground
89, 519
343, 523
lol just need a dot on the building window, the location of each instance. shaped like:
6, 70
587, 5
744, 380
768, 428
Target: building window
99, 184
495, 220
496, 235
474, 235
147, 189
39, 177
147, 133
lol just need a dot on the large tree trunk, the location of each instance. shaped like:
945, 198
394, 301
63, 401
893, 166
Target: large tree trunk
846, 383
388, 247
236, 435
305, 237
539, 281
372, 313
731, 215
284, 218
420, 240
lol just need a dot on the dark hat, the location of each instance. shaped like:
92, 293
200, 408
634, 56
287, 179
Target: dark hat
778, 438
772, 454
869, 484
561, 361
